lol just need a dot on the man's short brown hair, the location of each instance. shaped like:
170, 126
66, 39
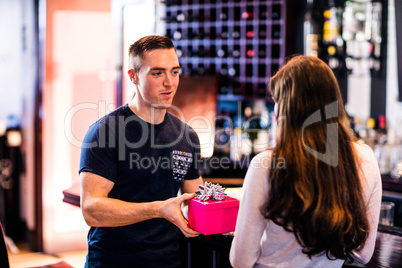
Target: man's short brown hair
147, 43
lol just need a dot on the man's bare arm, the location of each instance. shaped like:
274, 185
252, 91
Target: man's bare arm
99, 210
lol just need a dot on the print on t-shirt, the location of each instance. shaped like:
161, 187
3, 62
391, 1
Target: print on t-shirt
181, 163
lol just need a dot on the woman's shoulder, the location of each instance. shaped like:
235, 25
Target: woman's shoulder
368, 165
268, 160
262, 159
256, 179
364, 152
260, 165
361, 146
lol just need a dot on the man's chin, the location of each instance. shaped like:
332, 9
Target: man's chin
162, 106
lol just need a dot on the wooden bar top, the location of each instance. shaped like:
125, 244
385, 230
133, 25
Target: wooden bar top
388, 248
72, 194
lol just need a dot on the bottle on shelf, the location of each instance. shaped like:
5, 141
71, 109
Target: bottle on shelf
200, 69
225, 32
190, 15
236, 152
169, 33
249, 32
276, 31
263, 116
223, 133
169, 3
382, 137
190, 52
190, 69
370, 138
236, 32
262, 51
261, 90
382, 124
191, 33
232, 71
236, 51
224, 15
224, 70
223, 85
179, 51
256, 122
262, 32
201, 52
201, 15
180, 17
247, 146
239, 147
168, 18
177, 35
276, 12
263, 12
250, 52
222, 52
237, 88
248, 13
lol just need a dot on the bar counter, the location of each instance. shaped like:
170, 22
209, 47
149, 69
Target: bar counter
213, 250
72, 194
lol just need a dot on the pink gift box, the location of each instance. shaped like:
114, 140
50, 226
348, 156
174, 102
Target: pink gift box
213, 217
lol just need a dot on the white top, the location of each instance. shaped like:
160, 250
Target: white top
259, 242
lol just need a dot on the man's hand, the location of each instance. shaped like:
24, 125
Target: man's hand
171, 210
228, 234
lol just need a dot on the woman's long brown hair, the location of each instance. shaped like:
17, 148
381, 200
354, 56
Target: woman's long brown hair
318, 196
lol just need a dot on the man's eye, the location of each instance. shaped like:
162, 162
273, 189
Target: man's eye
175, 72
157, 73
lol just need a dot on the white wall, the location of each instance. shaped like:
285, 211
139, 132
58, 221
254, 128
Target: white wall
79, 91
17, 84
394, 108
12, 71
27, 95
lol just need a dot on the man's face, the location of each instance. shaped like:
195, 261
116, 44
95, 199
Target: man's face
158, 78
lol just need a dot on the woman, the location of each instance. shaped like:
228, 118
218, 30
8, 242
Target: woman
319, 205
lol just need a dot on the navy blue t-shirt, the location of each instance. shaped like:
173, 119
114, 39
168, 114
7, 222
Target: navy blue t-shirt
146, 162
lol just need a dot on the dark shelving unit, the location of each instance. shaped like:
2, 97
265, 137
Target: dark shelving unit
243, 42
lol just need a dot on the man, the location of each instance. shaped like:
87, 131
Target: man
133, 162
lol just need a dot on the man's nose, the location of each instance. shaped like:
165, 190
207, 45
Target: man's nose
168, 80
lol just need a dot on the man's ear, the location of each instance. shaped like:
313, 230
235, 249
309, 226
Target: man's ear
133, 76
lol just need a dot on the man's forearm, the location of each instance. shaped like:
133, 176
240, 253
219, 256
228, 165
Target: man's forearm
109, 212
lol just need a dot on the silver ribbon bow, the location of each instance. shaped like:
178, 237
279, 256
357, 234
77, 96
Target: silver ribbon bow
210, 192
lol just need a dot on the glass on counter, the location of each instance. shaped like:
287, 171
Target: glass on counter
389, 158
387, 213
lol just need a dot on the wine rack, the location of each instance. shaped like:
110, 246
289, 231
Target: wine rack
242, 42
